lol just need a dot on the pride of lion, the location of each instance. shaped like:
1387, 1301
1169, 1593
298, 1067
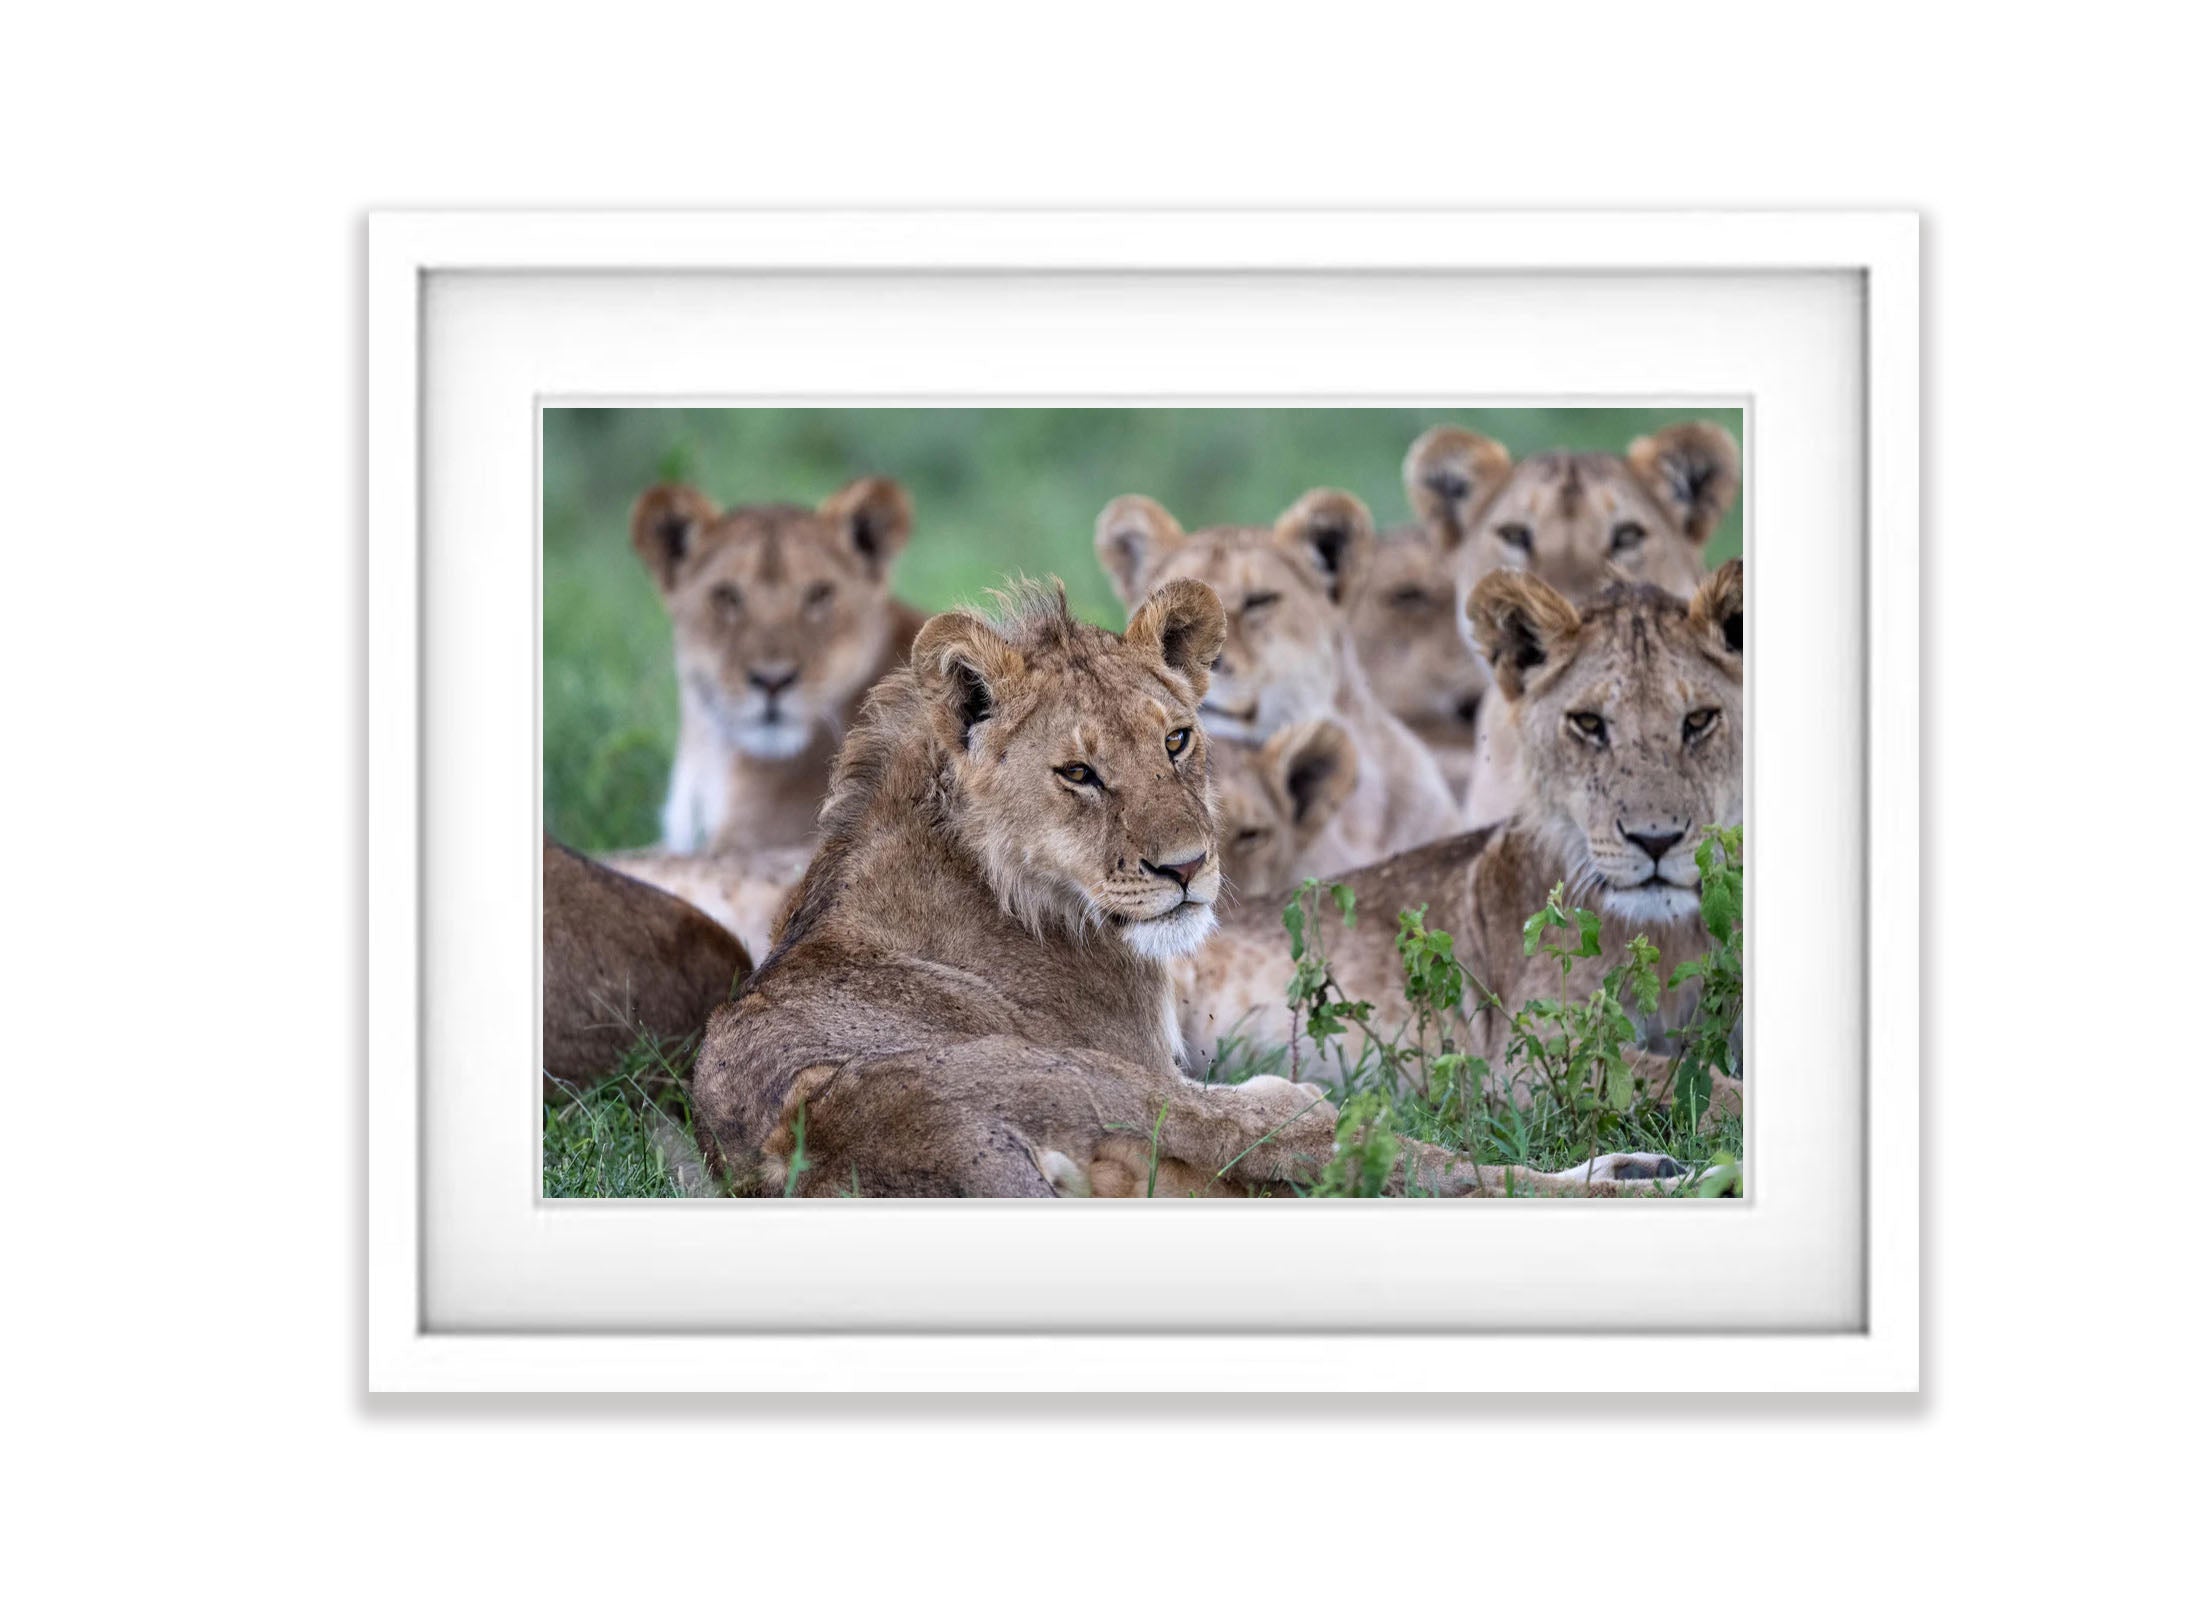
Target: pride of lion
1015, 883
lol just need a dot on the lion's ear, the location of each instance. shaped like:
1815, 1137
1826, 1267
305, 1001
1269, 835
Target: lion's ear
874, 516
1716, 606
1693, 470
963, 668
1523, 627
1334, 532
1451, 478
1312, 767
1132, 537
667, 526
1183, 623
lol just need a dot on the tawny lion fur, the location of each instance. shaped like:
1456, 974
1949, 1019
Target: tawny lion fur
1287, 591
1273, 801
781, 623
1658, 682
1579, 520
621, 960
1406, 630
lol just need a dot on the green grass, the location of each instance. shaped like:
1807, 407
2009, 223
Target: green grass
998, 492
622, 1137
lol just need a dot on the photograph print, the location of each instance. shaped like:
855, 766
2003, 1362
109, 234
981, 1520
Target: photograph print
1189, 804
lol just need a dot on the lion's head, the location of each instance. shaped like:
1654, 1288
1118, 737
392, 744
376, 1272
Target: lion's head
1274, 799
1071, 762
1405, 626
1629, 712
1283, 589
778, 614
1576, 519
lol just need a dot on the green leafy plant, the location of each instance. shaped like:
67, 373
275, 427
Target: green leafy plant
1318, 1005
1366, 1150
1577, 1047
1706, 1038
1573, 1082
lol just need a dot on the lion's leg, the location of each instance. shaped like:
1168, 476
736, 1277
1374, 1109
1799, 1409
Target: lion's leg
1269, 1134
879, 1129
1001, 1118
1426, 1169
998, 1116
1610, 1176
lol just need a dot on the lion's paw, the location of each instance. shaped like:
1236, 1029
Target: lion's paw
1280, 1094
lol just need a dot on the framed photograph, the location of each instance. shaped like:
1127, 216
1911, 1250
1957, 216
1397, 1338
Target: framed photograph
881, 724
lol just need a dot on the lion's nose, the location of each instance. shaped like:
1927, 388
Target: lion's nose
1183, 871
1654, 843
773, 678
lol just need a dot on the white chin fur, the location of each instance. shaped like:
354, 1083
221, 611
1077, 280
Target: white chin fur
1177, 934
772, 741
1652, 902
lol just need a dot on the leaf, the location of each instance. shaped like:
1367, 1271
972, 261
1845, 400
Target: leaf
1691, 1091
1532, 933
1718, 908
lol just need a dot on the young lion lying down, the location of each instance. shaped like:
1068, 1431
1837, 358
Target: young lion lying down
621, 961
970, 993
743, 891
1628, 714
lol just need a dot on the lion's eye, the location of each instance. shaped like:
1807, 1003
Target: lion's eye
727, 597
1626, 536
1076, 772
1517, 535
1251, 835
1588, 724
1261, 600
1409, 597
820, 595
1698, 723
1177, 740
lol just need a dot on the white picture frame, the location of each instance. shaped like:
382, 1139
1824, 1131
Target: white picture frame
513, 1333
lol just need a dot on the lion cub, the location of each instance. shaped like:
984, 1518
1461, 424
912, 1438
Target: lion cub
1275, 799
620, 959
1578, 520
781, 623
743, 891
970, 995
1405, 626
1629, 717
1286, 591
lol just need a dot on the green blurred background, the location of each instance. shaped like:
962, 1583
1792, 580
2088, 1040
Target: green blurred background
997, 492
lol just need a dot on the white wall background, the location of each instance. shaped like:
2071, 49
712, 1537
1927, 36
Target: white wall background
180, 648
